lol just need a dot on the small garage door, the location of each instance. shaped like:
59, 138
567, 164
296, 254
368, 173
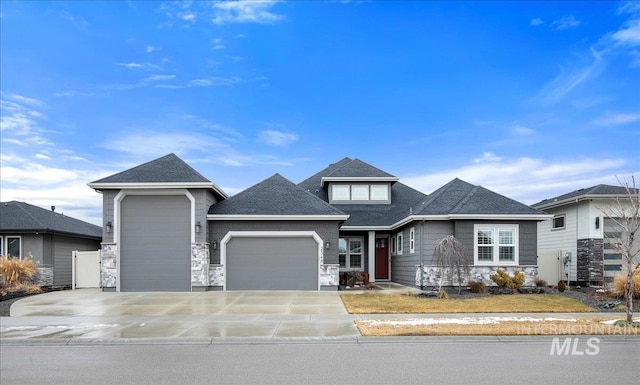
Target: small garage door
155, 243
272, 263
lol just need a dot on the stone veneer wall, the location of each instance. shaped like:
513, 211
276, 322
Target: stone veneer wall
590, 261
45, 276
108, 267
199, 264
329, 274
431, 275
216, 275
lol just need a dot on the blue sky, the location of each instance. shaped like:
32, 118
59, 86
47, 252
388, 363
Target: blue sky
529, 99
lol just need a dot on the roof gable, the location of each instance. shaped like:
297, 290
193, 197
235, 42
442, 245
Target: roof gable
167, 169
21, 216
276, 196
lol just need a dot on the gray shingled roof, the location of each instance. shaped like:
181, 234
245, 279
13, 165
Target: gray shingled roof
459, 197
601, 189
23, 217
274, 196
357, 169
314, 182
167, 169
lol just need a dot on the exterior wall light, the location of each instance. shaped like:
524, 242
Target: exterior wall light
327, 245
107, 226
198, 226
214, 244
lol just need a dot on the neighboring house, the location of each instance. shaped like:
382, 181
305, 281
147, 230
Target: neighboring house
577, 244
47, 237
169, 228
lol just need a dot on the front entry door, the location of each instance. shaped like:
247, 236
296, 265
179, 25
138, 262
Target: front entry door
382, 258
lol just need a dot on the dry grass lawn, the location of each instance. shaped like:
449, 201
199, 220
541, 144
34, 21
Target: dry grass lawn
580, 326
375, 303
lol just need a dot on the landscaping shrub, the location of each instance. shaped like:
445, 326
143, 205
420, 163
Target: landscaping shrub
503, 279
477, 287
540, 282
562, 286
15, 272
619, 285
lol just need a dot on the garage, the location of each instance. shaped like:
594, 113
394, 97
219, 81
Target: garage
155, 243
272, 263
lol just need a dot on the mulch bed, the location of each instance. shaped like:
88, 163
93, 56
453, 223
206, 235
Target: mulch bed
8, 298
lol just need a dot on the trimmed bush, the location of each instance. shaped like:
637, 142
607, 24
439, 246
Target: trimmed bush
15, 272
503, 279
562, 286
477, 287
619, 285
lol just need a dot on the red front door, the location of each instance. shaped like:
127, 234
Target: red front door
382, 258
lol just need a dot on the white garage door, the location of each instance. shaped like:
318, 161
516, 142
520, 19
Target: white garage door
272, 263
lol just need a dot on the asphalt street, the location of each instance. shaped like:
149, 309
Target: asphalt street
469, 360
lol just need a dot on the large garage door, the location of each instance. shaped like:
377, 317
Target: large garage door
265, 263
155, 243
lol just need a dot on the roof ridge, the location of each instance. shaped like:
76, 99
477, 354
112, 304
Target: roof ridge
22, 208
464, 200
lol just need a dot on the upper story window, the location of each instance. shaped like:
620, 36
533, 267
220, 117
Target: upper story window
359, 193
558, 222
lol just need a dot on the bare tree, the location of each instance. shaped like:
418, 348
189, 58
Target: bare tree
625, 213
451, 257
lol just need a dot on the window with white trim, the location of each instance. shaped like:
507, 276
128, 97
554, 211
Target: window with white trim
496, 244
359, 193
11, 246
340, 192
350, 253
412, 240
393, 245
558, 222
379, 192
399, 243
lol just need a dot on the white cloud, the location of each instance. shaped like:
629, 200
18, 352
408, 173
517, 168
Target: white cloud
629, 35
537, 21
525, 179
155, 78
277, 138
144, 66
629, 7
219, 46
567, 22
188, 16
617, 119
567, 81
524, 131
245, 12
150, 49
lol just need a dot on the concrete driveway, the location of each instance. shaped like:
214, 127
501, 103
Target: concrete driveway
90, 314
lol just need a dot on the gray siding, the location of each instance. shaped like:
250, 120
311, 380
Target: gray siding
108, 211
155, 243
403, 267
528, 238
63, 249
327, 230
202, 204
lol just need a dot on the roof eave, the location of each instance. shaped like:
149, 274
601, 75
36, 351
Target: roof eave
158, 185
580, 198
328, 179
260, 217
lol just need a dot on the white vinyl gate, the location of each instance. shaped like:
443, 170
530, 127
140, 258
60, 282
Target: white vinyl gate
86, 269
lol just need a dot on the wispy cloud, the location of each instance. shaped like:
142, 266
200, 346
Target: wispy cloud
567, 22
143, 66
245, 12
523, 131
629, 34
616, 119
536, 22
277, 138
526, 179
150, 49
568, 80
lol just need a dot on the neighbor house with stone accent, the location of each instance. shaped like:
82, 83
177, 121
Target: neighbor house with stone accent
46, 236
168, 228
577, 243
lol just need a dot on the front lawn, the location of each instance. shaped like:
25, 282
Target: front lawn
375, 303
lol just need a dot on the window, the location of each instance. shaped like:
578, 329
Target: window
496, 244
412, 242
360, 192
379, 192
340, 192
399, 244
11, 246
350, 253
558, 222
393, 245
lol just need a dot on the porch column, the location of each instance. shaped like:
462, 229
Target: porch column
372, 256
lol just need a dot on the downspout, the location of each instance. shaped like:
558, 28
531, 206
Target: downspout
422, 256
